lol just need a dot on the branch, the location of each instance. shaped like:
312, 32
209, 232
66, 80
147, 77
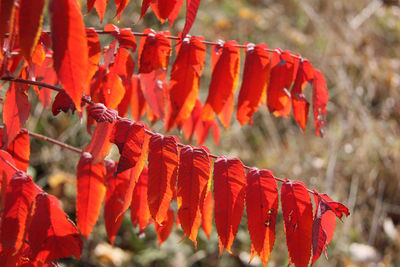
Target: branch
84, 99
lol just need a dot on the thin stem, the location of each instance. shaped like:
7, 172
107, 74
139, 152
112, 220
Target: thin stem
84, 99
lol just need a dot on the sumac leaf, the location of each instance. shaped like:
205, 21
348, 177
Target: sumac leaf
320, 100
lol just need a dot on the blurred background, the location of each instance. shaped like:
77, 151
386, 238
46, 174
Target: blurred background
356, 45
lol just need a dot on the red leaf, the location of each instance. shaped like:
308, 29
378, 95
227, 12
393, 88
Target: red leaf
155, 91
137, 101
19, 149
19, 198
131, 140
166, 9
52, 235
30, 25
185, 80
207, 213
101, 113
224, 80
140, 213
300, 104
298, 221
261, 206
163, 168
90, 193
255, 81
16, 111
281, 78
62, 102
70, 48
6, 174
154, 51
94, 51
193, 177
100, 146
229, 194
164, 229
120, 5
320, 100
6, 15
145, 6
191, 11
117, 187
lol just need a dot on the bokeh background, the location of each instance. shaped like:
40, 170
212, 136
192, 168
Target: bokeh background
356, 44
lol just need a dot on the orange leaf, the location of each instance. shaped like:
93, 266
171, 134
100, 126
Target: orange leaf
193, 177
262, 207
123, 64
70, 48
137, 101
16, 111
224, 80
185, 80
19, 149
140, 213
5, 175
120, 5
164, 229
30, 25
320, 100
298, 221
90, 193
101, 7
52, 235
229, 194
166, 9
99, 145
299, 102
163, 168
112, 90
255, 81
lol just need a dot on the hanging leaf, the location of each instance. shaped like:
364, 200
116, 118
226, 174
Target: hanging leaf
100, 146
62, 102
6, 174
163, 170
90, 193
224, 80
120, 5
164, 229
52, 235
101, 7
130, 139
19, 149
300, 104
207, 214
30, 24
262, 202
117, 187
154, 51
191, 11
298, 221
320, 100
255, 81
94, 54
166, 9
185, 80
281, 79
137, 101
19, 198
193, 177
112, 90
70, 48
140, 213
229, 194
16, 111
